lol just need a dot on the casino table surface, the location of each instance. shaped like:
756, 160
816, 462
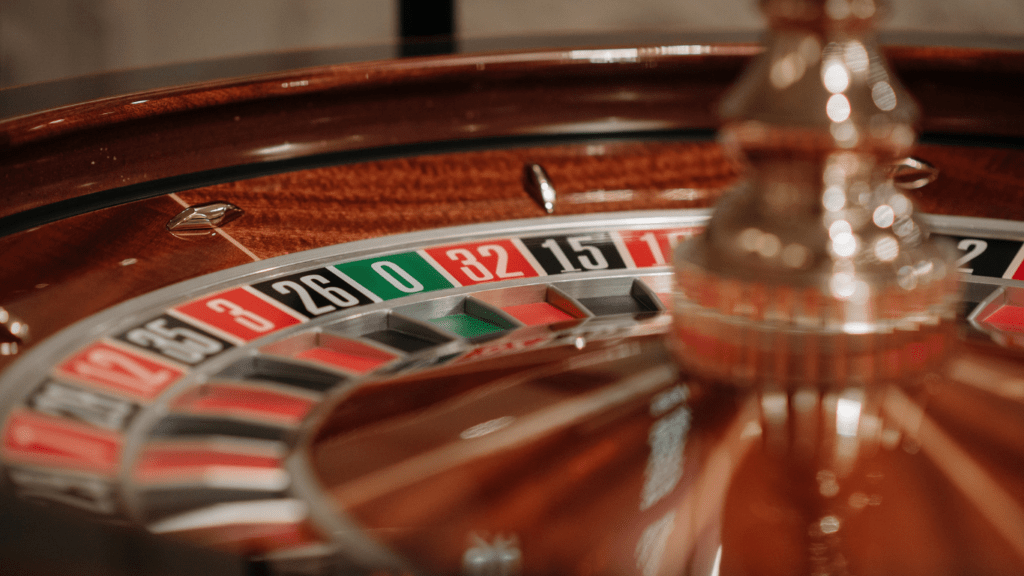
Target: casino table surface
327, 151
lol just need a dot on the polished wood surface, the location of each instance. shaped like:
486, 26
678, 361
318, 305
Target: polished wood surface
344, 203
100, 146
116, 146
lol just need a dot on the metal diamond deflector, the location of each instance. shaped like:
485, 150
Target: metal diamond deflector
912, 173
204, 217
538, 184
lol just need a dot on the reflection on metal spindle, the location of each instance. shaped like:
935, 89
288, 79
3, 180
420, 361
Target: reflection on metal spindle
13, 333
816, 271
816, 290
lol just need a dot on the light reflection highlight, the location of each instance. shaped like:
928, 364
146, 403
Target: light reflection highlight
829, 525
856, 56
485, 428
884, 216
599, 196
863, 8
842, 285
838, 108
834, 199
848, 417
264, 512
784, 72
839, 228
768, 245
795, 255
716, 570
900, 204
606, 56
828, 485
844, 245
612, 55
886, 249
835, 77
274, 150
845, 134
883, 96
682, 194
610, 124
906, 278
837, 9
858, 500
748, 239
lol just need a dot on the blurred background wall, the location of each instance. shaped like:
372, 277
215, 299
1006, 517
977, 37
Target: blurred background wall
49, 39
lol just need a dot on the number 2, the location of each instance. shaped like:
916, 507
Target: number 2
974, 248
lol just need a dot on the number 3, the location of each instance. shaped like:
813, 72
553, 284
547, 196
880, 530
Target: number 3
470, 265
250, 320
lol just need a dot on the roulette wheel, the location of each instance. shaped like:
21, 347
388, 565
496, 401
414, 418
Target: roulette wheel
409, 316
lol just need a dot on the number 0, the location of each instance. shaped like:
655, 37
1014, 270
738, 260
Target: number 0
385, 269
